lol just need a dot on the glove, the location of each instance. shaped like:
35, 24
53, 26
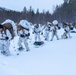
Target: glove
28, 34
65, 30
6, 38
42, 33
58, 27
48, 28
32, 32
22, 35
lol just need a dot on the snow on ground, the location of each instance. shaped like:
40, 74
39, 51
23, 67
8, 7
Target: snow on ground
57, 57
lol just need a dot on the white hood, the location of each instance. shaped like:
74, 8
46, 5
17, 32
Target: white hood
24, 23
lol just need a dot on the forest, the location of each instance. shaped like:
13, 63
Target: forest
64, 12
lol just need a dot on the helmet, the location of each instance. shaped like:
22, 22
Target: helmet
55, 22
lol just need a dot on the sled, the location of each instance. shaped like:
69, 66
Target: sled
38, 44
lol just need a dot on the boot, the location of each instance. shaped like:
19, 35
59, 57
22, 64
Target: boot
20, 48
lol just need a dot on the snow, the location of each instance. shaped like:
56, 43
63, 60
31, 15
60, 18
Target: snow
7, 70
57, 57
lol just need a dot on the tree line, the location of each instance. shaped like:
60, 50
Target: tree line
64, 12
30, 15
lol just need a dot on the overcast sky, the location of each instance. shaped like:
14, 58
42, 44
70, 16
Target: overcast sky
18, 5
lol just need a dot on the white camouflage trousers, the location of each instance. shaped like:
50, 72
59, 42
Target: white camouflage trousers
4, 46
68, 33
54, 34
46, 35
37, 37
24, 40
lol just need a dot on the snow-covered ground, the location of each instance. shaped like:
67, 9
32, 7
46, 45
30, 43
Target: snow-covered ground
57, 57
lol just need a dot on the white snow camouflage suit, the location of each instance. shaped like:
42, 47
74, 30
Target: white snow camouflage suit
67, 31
4, 44
23, 37
37, 34
54, 32
47, 31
